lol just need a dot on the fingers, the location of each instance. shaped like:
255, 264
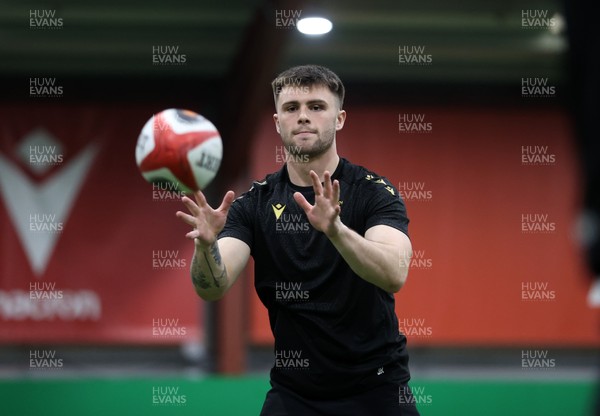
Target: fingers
187, 218
196, 208
337, 209
227, 201
330, 189
317, 187
191, 205
193, 234
200, 199
336, 192
300, 200
201, 212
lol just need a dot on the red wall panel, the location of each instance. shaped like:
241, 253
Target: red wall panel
120, 253
478, 277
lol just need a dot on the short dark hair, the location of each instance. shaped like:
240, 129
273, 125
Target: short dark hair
309, 75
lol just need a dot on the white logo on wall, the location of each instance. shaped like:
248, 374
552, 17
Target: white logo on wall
56, 195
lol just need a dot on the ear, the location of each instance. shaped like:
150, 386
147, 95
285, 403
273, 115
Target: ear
340, 120
276, 120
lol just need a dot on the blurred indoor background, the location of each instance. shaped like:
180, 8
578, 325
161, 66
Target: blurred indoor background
468, 108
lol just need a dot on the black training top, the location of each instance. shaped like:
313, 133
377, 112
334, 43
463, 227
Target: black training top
335, 333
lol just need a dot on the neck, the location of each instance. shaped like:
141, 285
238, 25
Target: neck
299, 172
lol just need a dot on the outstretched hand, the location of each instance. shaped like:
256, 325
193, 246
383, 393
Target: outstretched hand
207, 222
324, 215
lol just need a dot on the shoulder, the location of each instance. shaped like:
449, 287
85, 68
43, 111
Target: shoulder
261, 187
367, 180
378, 200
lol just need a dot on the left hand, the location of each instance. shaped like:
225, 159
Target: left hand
324, 215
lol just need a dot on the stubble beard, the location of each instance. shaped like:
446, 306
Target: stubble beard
320, 146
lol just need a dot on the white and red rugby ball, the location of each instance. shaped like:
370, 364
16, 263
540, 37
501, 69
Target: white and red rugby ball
180, 147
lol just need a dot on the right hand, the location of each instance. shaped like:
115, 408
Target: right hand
207, 222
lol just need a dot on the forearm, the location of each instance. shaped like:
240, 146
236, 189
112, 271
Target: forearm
208, 271
384, 265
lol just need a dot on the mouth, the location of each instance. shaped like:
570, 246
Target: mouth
299, 132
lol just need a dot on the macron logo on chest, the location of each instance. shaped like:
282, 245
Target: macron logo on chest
287, 222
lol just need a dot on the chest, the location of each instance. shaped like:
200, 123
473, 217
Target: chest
289, 239
279, 215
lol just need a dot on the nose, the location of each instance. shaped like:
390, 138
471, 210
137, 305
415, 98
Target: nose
303, 115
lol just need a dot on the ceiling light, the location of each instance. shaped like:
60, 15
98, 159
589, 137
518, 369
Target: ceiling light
558, 24
314, 25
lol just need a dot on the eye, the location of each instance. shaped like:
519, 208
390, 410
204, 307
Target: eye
291, 108
316, 107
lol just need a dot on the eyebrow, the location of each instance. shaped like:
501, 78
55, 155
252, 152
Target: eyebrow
296, 102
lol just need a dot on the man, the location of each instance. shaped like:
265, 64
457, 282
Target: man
329, 241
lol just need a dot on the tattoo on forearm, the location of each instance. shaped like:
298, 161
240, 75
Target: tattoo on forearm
214, 277
214, 251
202, 280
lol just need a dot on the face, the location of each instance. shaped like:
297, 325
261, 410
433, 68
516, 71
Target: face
307, 119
